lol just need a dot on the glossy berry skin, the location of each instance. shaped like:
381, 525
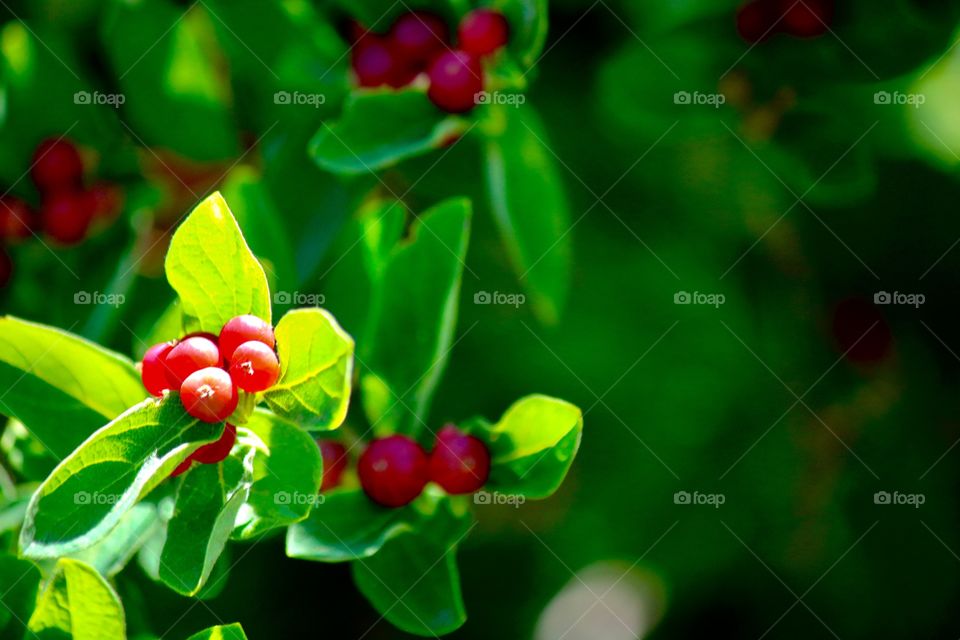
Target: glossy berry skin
66, 216
807, 19
188, 356
375, 63
418, 36
459, 463
334, 457
16, 219
153, 368
755, 21
243, 329
216, 451
393, 470
209, 395
483, 31
456, 77
56, 165
254, 367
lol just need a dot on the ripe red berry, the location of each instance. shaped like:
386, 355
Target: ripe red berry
393, 470
188, 356
209, 395
806, 19
16, 219
483, 31
56, 165
375, 63
153, 368
456, 77
418, 36
243, 329
182, 468
756, 20
861, 332
254, 367
216, 451
334, 457
66, 216
459, 463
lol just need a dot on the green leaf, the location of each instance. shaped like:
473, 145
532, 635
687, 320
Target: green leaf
378, 129
532, 446
287, 471
413, 580
213, 271
414, 316
112, 553
221, 632
528, 28
61, 386
78, 604
19, 581
88, 493
316, 367
345, 526
208, 499
165, 61
529, 207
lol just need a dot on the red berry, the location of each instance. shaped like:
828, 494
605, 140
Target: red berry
107, 200
153, 368
16, 219
216, 451
254, 367
209, 395
861, 332
483, 31
459, 463
456, 77
416, 37
182, 467
6, 268
806, 18
334, 457
393, 470
244, 329
56, 165
375, 64
756, 20
188, 356
66, 216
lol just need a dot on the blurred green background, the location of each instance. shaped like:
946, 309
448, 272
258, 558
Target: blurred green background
793, 403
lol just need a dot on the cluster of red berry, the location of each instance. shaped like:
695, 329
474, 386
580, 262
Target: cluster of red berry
759, 19
395, 469
68, 208
208, 370
419, 42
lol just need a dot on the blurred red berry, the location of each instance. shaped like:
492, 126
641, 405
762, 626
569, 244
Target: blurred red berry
459, 463
483, 31
56, 165
756, 20
209, 395
375, 64
456, 77
334, 457
107, 200
153, 368
393, 470
188, 356
418, 36
216, 451
806, 18
65, 216
861, 332
16, 219
243, 329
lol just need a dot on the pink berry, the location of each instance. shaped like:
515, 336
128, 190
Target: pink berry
243, 329
56, 165
209, 395
418, 36
456, 77
16, 219
459, 463
393, 470
188, 356
334, 457
66, 216
153, 368
216, 451
254, 367
483, 31
375, 63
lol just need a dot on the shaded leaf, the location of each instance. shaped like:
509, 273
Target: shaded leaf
78, 604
